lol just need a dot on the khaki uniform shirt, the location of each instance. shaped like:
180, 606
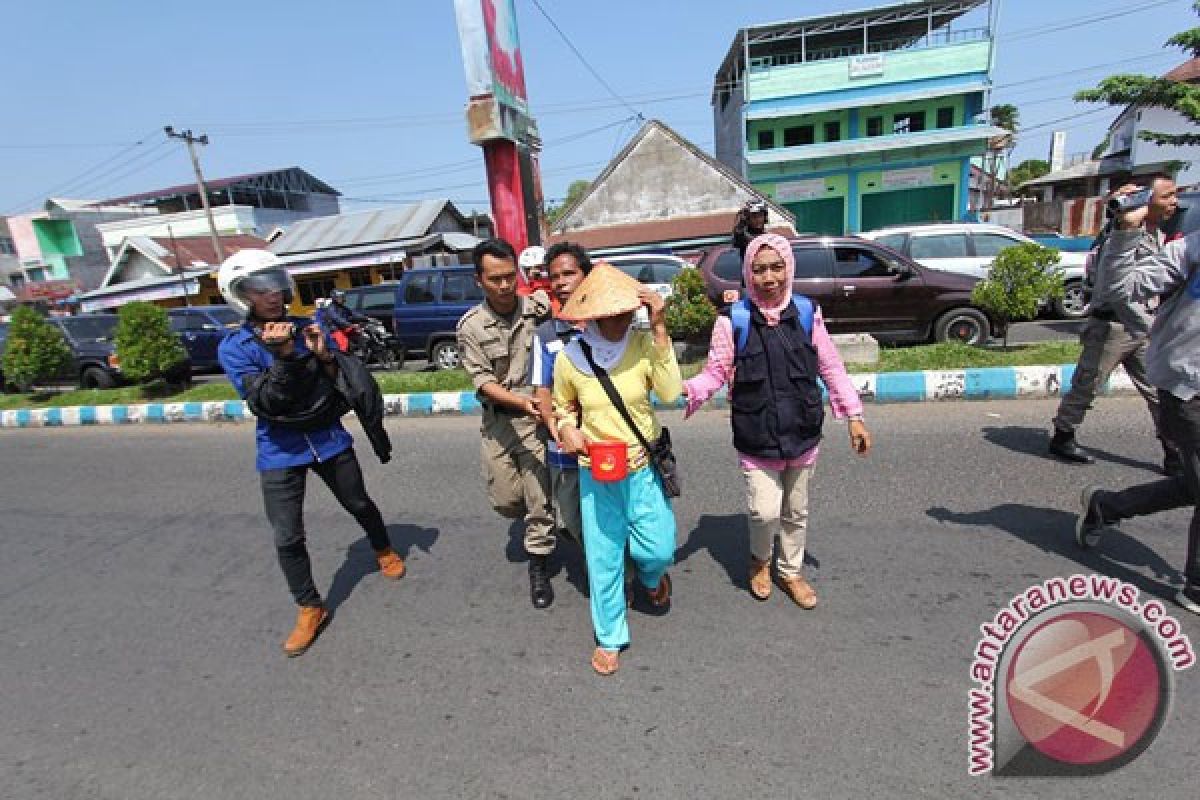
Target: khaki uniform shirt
495, 349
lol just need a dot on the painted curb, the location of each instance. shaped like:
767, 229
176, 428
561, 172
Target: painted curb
886, 387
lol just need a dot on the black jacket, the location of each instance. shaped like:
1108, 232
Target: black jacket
358, 387
297, 393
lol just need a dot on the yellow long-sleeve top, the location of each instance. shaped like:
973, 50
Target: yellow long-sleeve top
643, 367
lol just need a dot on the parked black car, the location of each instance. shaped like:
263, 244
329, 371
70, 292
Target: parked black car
422, 309
201, 329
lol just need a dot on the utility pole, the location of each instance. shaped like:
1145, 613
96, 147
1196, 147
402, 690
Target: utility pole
191, 141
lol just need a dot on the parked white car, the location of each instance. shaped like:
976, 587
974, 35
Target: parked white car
969, 248
651, 270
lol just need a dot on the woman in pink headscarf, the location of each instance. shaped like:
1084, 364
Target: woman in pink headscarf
769, 349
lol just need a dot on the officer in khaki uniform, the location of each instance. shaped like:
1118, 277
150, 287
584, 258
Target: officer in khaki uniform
494, 340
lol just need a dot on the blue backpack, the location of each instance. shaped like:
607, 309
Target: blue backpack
739, 315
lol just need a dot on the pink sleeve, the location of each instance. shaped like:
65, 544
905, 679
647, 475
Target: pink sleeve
718, 371
843, 398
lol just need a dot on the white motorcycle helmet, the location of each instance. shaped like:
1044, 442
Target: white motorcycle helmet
532, 257
260, 270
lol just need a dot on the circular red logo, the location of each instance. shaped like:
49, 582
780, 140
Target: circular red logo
1085, 688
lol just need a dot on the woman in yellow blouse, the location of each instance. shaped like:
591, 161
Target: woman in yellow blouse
633, 511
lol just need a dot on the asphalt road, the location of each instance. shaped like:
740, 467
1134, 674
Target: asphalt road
142, 613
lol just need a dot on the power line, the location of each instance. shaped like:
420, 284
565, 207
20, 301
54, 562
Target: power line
584, 61
71, 182
1053, 27
474, 163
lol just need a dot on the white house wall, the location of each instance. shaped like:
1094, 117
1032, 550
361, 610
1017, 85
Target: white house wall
658, 179
1161, 120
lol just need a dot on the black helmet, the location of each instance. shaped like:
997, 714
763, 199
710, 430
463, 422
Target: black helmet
755, 205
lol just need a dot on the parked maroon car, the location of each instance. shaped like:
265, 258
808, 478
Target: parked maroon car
864, 287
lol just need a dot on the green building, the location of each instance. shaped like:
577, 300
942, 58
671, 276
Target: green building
862, 119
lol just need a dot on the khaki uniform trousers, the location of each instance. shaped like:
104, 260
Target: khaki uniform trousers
567, 516
1105, 345
517, 478
778, 503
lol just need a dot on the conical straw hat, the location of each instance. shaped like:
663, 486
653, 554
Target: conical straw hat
605, 292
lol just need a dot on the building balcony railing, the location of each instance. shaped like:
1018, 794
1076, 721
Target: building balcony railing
978, 132
936, 39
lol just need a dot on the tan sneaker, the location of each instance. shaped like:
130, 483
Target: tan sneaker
800, 590
309, 623
760, 578
390, 564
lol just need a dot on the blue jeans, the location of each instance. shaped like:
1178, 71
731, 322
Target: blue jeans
633, 512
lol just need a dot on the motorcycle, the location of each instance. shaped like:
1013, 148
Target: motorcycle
375, 344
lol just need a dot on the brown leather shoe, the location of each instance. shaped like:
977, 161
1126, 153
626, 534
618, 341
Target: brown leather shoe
800, 590
760, 579
310, 621
390, 564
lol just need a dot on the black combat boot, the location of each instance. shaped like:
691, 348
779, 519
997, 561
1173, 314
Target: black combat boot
540, 590
1172, 462
1063, 445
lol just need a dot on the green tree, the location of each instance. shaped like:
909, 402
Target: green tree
1156, 92
689, 311
574, 192
1027, 170
145, 344
36, 350
1021, 277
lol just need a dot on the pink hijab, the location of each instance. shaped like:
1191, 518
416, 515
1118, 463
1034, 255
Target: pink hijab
784, 248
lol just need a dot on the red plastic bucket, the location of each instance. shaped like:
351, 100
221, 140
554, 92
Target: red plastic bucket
609, 461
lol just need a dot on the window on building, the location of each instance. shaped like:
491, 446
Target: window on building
313, 288
766, 140
945, 117
6, 246
854, 262
419, 289
360, 277
833, 131
798, 135
874, 126
909, 122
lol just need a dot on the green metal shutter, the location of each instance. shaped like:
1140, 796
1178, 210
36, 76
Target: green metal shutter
826, 215
905, 206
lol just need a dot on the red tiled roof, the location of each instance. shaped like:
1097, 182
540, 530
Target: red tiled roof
192, 249
657, 231
1186, 72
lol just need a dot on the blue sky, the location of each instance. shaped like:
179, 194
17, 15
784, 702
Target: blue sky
369, 95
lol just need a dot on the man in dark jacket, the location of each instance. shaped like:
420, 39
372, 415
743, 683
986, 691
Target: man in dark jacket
282, 366
751, 222
341, 320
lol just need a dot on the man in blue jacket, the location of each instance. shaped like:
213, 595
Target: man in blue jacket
283, 368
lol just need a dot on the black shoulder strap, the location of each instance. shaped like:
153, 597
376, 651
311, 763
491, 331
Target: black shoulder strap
611, 391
